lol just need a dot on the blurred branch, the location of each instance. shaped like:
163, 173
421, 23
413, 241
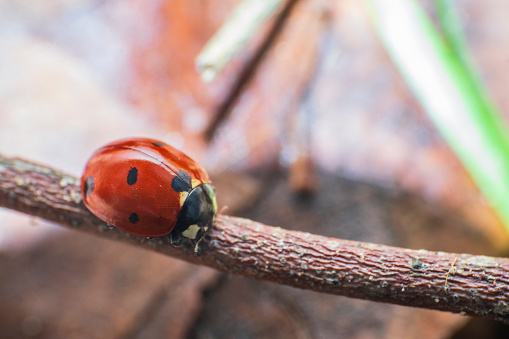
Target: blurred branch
459, 283
245, 75
242, 24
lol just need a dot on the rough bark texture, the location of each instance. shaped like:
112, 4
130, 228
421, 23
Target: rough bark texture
459, 283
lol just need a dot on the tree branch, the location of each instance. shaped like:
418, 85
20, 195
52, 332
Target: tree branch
459, 283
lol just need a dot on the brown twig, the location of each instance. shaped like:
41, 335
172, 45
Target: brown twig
246, 74
460, 283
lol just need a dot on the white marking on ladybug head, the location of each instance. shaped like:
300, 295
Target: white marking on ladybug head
191, 232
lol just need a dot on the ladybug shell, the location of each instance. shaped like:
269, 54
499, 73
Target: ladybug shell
139, 185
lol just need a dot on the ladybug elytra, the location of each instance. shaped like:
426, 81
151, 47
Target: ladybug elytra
148, 188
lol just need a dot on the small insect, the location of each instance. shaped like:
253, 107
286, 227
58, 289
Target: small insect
148, 188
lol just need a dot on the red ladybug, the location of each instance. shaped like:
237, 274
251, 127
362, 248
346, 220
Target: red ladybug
148, 188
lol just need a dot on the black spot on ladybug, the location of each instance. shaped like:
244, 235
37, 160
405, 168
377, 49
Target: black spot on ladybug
88, 186
132, 176
158, 143
182, 182
133, 218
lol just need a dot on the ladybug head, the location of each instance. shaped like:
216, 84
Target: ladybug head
197, 213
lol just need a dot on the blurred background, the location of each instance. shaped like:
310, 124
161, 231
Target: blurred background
321, 123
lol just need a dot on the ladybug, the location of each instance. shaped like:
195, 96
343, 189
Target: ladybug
146, 187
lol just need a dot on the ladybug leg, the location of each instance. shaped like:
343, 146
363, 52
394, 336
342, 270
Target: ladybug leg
199, 238
175, 239
196, 248
196, 244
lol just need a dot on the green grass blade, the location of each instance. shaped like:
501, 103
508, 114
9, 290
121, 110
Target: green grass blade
439, 72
